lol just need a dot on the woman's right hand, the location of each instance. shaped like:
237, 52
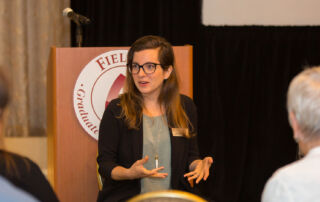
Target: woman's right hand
137, 170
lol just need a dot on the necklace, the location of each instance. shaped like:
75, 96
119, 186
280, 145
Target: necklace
156, 142
156, 158
154, 125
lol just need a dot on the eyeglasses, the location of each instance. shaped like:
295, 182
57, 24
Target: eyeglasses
148, 68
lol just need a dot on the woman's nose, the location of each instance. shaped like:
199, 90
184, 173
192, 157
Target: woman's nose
141, 72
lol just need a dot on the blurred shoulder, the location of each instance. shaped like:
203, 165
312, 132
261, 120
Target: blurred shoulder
114, 103
186, 101
114, 106
10, 192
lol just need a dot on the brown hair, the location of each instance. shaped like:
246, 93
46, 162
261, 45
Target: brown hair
132, 101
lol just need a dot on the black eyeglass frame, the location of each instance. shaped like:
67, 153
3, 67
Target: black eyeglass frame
141, 67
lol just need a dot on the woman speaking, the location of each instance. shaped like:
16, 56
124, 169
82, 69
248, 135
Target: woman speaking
147, 139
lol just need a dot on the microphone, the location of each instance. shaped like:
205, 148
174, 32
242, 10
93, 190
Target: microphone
75, 17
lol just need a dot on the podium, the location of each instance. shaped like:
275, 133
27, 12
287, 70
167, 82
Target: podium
72, 151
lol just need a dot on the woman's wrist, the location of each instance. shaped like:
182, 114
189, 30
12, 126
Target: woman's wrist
129, 174
121, 173
194, 164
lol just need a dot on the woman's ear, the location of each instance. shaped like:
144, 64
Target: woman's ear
167, 72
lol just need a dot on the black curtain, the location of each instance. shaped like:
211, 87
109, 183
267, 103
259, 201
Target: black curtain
242, 78
121, 22
241, 75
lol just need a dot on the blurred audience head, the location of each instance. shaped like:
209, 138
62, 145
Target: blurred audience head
303, 103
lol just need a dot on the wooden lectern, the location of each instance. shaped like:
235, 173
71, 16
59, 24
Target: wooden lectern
71, 151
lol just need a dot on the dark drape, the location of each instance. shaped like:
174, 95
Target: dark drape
242, 79
121, 22
241, 75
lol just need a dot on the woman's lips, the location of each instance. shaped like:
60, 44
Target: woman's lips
143, 83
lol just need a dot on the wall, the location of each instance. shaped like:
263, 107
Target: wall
257, 12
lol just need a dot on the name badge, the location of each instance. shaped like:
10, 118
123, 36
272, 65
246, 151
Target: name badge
179, 132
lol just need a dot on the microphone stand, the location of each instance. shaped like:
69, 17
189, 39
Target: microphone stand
79, 35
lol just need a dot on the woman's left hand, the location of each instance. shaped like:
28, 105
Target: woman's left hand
200, 169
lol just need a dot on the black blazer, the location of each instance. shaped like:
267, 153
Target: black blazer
119, 145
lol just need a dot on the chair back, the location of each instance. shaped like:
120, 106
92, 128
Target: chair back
167, 196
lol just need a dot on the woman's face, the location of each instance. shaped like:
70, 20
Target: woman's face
149, 84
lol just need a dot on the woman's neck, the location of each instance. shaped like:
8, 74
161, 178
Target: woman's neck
152, 108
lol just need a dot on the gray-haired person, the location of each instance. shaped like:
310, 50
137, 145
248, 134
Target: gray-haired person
300, 180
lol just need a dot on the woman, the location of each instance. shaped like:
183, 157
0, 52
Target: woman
147, 136
21, 171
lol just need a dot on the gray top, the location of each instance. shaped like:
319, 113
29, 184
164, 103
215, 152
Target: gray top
156, 141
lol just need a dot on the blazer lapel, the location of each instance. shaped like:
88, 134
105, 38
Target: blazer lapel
137, 143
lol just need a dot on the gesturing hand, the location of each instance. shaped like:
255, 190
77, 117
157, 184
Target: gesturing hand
200, 169
137, 170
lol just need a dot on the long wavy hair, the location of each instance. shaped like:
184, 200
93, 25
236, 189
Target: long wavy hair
132, 101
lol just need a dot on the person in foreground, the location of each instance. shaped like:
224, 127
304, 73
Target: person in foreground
21, 171
147, 136
11, 193
300, 180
